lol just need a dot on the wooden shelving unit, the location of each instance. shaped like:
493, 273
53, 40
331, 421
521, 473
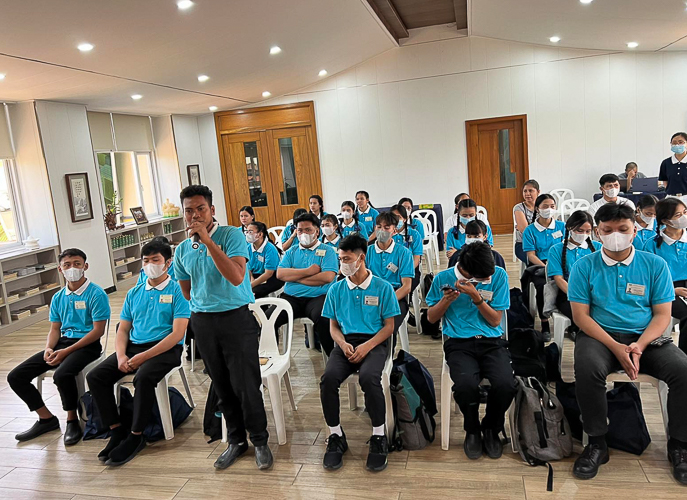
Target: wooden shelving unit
125, 256
27, 295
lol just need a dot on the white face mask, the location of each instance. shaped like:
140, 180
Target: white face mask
647, 220
327, 230
680, 223
73, 274
347, 215
611, 193
349, 269
547, 213
251, 237
472, 240
579, 238
306, 239
616, 242
154, 271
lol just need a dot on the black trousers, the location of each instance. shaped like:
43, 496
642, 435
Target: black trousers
270, 286
594, 361
20, 377
309, 307
471, 360
398, 320
520, 253
102, 378
416, 279
229, 344
679, 311
563, 305
539, 280
338, 369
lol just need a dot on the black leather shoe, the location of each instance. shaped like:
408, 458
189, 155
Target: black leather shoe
230, 455
379, 450
118, 435
588, 463
73, 433
473, 445
263, 457
127, 450
678, 458
39, 428
336, 447
492, 443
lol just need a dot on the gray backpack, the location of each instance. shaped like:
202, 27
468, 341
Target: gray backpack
540, 428
414, 427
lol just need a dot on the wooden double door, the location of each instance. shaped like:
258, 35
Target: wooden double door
269, 161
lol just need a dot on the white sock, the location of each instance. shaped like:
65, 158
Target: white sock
336, 430
378, 431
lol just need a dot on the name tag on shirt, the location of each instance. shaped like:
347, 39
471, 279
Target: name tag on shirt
371, 301
321, 252
557, 234
261, 258
392, 267
165, 299
368, 219
635, 289
487, 295
79, 305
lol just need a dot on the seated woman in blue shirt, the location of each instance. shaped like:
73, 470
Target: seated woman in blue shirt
410, 239
316, 206
537, 240
563, 256
477, 230
246, 216
367, 214
149, 343
466, 212
331, 231
470, 299
263, 261
289, 235
351, 223
645, 220
407, 203
670, 243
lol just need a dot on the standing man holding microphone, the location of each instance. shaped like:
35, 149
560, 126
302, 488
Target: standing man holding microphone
211, 269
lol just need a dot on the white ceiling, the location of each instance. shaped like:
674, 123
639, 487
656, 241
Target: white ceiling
602, 24
157, 45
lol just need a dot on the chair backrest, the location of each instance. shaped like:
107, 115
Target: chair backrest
426, 225
561, 194
573, 205
275, 232
268, 336
483, 211
107, 336
428, 214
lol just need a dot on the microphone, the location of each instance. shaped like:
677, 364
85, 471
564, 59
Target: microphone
196, 241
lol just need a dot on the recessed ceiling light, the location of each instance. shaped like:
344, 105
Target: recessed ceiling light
2, 76
632, 45
323, 72
213, 108
586, 1
184, 4
275, 50
266, 94
203, 78
555, 39
85, 47
136, 97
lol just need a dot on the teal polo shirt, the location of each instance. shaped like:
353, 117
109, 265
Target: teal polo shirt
417, 225
620, 295
554, 266
368, 218
210, 291
413, 242
674, 252
76, 311
286, 234
456, 237
354, 228
265, 258
143, 277
334, 243
152, 311
361, 308
392, 264
463, 319
643, 235
540, 239
298, 257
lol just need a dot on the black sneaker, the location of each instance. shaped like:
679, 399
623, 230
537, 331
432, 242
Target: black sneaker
546, 331
39, 428
119, 434
127, 450
336, 447
588, 463
379, 450
677, 456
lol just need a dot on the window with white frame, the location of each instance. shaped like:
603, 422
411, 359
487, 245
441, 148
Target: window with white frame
128, 179
11, 222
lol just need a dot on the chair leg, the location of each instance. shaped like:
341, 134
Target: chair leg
289, 390
225, 433
663, 401
39, 383
445, 408
193, 354
274, 386
435, 242
184, 380
416, 310
389, 417
310, 332
162, 395
403, 335
352, 396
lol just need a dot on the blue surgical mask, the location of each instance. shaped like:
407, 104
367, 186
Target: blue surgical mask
400, 225
465, 220
678, 149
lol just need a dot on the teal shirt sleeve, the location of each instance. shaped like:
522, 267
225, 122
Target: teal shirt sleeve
271, 257
179, 271
329, 308
646, 245
417, 244
235, 247
390, 307
100, 307
578, 284
417, 225
529, 243
451, 240
54, 315
330, 261
435, 294
500, 300
182, 308
407, 269
554, 265
286, 234
490, 236
662, 290
126, 315
363, 230
141, 277
287, 261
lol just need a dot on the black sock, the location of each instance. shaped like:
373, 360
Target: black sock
676, 442
598, 441
72, 420
46, 420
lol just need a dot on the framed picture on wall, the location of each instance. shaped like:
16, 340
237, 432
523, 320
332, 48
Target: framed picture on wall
193, 174
79, 197
139, 215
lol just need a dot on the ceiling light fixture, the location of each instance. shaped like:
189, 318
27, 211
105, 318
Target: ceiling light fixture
266, 94
555, 39
586, 1
275, 50
213, 108
632, 45
2, 76
85, 47
136, 97
184, 4
323, 72
203, 78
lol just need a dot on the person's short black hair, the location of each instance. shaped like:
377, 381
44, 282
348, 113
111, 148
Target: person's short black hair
608, 178
679, 134
630, 166
614, 212
475, 227
353, 243
307, 217
477, 260
71, 252
297, 213
162, 239
157, 245
389, 218
196, 190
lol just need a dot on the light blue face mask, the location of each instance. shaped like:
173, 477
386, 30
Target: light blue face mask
678, 149
465, 220
400, 224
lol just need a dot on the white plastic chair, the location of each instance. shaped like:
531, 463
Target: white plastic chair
433, 234
403, 333
276, 233
562, 194
482, 211
533, 300
572, 205
415, 301
427, 248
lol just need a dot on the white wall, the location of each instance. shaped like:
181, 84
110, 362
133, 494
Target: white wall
395, 125
67, 148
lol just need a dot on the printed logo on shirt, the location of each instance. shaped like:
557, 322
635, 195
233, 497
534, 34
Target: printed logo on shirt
166, 299
80, 305
371, 300
633, 289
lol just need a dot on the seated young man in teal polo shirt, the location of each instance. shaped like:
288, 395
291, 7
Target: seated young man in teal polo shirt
149, 343
471, 299
308, 270
621, 300
361, 310
78, 316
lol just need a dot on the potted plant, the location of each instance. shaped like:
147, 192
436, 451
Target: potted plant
112, 211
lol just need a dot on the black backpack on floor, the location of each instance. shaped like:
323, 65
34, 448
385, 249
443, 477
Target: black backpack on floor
518, 313
526, 346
